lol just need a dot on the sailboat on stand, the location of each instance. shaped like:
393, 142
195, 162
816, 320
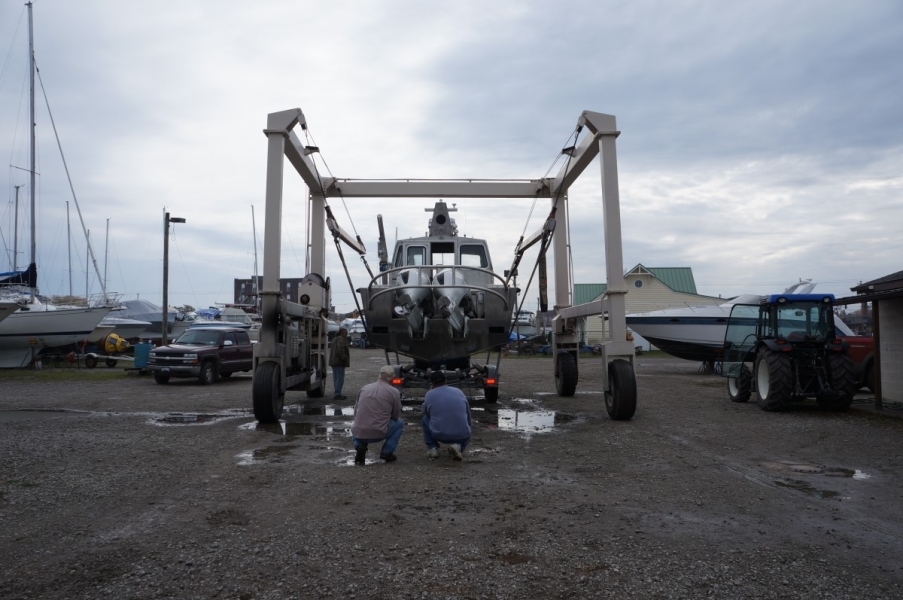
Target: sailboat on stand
36, 324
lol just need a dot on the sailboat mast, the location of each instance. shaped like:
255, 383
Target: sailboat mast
16, 232
69, 247
106, 255
31, 169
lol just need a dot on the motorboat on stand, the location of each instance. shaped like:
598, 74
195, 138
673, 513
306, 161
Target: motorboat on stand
696, 332
439, 303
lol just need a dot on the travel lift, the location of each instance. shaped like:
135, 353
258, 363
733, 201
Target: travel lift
292, 351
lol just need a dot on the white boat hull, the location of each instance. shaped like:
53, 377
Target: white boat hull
25, 333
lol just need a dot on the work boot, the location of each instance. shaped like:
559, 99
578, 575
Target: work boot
455, 451
388, 457
360, 456
433, 452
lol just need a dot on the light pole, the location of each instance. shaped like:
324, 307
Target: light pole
166, 221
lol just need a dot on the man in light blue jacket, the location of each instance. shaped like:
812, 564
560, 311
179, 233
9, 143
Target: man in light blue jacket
446, 418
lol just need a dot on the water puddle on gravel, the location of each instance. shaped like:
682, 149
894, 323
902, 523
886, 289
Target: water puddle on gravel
806, 488
289, 429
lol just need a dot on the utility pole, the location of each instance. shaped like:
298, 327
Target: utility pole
165, 324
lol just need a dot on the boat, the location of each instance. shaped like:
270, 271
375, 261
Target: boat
37, 325
7, 307
697, 332
227, 315
524, 323
439, 301
127, 329
142, 310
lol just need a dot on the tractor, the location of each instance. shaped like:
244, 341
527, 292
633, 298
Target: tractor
795, 352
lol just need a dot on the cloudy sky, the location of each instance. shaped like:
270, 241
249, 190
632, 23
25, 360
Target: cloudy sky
761, 143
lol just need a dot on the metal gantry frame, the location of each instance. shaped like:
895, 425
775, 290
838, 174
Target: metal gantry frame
619, 383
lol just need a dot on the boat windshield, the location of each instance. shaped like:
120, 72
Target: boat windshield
473, 255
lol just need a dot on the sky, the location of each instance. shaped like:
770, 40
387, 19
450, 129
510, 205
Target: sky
761, 142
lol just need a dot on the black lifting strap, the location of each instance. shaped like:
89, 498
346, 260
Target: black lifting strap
338, 247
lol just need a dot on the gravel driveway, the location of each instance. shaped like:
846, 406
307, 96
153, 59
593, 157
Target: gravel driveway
112, 486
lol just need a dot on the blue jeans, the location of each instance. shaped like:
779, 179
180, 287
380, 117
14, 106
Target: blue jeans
432, 442
338, 379
392, 437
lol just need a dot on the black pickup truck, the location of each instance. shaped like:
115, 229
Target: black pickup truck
206, 353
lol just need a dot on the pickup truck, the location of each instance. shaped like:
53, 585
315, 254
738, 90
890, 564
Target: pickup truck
206, 353
862, 352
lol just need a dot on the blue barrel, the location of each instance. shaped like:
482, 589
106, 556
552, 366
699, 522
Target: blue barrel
142, 355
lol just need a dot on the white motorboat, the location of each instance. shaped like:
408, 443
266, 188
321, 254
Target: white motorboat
142, 310
697, 332
127, 329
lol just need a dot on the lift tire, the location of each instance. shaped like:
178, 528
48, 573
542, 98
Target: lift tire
566, 374
620, 400
111, 362
90, 361
208, 373
161, 378
320, 390
265, 392
740, 388
491, 393
843, 383
774, 380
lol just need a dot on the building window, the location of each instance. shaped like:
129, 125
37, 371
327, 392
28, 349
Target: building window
638, 283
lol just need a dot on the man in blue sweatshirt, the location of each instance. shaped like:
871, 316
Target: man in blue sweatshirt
446, 418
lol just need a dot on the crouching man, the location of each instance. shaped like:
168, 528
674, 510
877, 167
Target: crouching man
446, 418
377, 417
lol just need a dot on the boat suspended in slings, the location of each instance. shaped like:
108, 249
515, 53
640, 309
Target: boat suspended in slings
439, 302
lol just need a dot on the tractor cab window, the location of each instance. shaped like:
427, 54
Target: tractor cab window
416, 256
802, 321
473, 255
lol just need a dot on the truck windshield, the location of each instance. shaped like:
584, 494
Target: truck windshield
199, 337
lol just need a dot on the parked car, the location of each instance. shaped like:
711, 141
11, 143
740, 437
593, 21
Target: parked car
207, 353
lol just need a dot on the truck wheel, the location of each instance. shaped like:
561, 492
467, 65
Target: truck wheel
566, 374
226, 374
843, 384
161, 378
492, 394
774, 380
208, 373
869, 378
740, 388
620, 400
266, 394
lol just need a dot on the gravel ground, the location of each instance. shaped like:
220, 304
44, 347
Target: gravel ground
112, 486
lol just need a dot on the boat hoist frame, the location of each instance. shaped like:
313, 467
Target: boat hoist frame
292, 350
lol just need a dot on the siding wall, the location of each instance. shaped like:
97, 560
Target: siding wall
652, 295
891, 324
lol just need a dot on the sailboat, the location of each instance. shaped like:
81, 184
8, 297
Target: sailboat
36, 325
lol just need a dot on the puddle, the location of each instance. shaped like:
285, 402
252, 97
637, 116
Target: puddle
530, 421
283, 428
806, 488
262, 455
189, 419
813, 469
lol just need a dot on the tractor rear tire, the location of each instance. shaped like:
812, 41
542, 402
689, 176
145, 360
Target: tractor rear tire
740, 388
566, 374
267, 397
843, 383
620, 400
774, 380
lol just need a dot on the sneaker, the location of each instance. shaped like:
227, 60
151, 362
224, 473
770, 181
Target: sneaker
388, 457
433, 452
360, 456
339, 397
455, 451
